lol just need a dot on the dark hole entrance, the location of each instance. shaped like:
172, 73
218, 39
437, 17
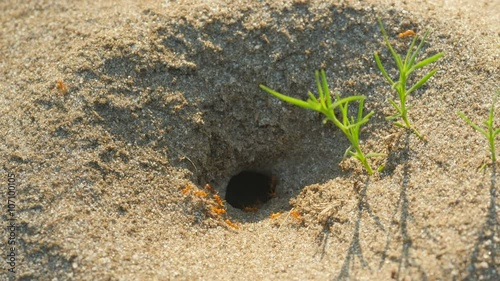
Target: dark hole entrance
248, 190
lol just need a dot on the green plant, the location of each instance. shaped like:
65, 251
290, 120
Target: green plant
323, 104
406, 67
489, 132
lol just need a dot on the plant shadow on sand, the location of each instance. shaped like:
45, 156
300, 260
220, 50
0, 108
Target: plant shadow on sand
486, 241
355, 250
403, 206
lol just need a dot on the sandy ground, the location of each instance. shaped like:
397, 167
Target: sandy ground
158, 98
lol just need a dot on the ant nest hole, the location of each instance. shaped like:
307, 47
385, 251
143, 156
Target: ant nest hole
248, 190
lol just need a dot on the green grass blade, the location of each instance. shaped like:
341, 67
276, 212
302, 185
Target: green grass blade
367, 116
400, 125
326, 90
392, 117
347, 151
476, 127
344, 101
360, 109
396, 106
357, 124
397, 58
320, 89
396, 86
312, 97
382, 69
372, 154
426, 62
405, 68
492, 109
422, 81
487, 123
291, 100
323, 104
409, 59
415, 54
328, 98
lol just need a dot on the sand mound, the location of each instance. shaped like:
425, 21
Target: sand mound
117, 115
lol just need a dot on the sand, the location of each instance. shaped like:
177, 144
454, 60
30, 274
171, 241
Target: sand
116, 114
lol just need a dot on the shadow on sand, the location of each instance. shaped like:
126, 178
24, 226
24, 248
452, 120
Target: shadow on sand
481, 268
402, 207
354, 251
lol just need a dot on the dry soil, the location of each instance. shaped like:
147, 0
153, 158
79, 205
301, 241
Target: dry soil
116, 114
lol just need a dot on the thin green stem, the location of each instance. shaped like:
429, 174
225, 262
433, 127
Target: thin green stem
489, 132
492, 145
406, 67
361, 157
323, 104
